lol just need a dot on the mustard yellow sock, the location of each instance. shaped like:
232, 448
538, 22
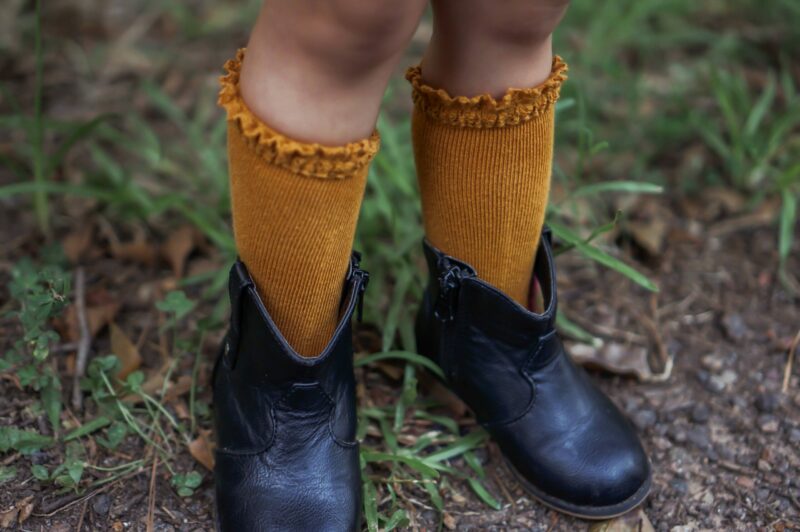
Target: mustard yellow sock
484, 168
295, 207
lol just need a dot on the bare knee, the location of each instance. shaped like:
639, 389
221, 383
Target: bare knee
523, 23
361, 34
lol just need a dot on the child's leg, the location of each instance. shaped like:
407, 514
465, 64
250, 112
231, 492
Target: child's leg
302, 107
483, 151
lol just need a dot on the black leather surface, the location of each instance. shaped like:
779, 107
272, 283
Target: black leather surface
287, 458
571, 445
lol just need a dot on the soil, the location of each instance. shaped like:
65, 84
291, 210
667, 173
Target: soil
722, 434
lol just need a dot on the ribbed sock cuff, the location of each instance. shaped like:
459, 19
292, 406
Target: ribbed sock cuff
309, 159
517, 106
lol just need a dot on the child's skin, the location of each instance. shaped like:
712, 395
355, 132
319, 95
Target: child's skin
316, 70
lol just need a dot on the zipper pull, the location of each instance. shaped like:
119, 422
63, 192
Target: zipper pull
449, 282
362, 287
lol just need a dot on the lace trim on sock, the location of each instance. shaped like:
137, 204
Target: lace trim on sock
515, 107
308, 159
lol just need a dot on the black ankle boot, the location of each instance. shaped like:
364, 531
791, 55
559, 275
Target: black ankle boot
570, 447
287, 457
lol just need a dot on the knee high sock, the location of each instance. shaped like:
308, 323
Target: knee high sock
484, 168
295, 207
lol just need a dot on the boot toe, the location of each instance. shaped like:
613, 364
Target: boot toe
255, 499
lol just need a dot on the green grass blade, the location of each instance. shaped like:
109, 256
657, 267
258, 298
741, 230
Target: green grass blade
398, 519
630, 187
408, 356
414, 463
759, 110
483, 494
371, 506
460, 446
576, 332
80, 132
602, 257
88, 428
787, 221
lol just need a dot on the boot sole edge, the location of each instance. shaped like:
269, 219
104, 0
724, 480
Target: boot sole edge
593, 513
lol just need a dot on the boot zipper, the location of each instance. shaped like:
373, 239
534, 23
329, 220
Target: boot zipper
363, 277
449, 283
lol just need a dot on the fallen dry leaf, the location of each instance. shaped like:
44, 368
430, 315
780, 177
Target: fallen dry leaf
619, 359
634, 521
77, 242
8, 517
154, 384
181, 410
25, 507
139, 249
177, 248
444, 396
135, 251
201, 450
98, 317
178, 388
125, 350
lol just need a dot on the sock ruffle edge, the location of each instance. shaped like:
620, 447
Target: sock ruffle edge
517, 106
309, 159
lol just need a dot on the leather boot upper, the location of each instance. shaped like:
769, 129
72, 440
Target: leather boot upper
287, 457
568, 441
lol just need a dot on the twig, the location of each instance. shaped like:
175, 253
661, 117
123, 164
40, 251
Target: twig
85, 341
499, 482
787, 370
83, 514
151, 500
51, 510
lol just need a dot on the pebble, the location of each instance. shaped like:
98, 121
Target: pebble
746, 482
680, 485
794, 436
699, 437
677, 434
768, 424
734, 326
712, 362
644, 419
718, 383
767, 402
101, 504
700, 413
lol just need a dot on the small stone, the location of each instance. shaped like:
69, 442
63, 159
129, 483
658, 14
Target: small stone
767, 402
768, 424
712, 362
101, 504
680, 485
794, 436
734, 327
718, 383
677, 434
728, 377
699, 438
762, 494
715, 385
644, 419
764, 466
700, 413
746, 482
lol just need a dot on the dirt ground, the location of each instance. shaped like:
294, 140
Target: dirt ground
722, 436
722, 433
